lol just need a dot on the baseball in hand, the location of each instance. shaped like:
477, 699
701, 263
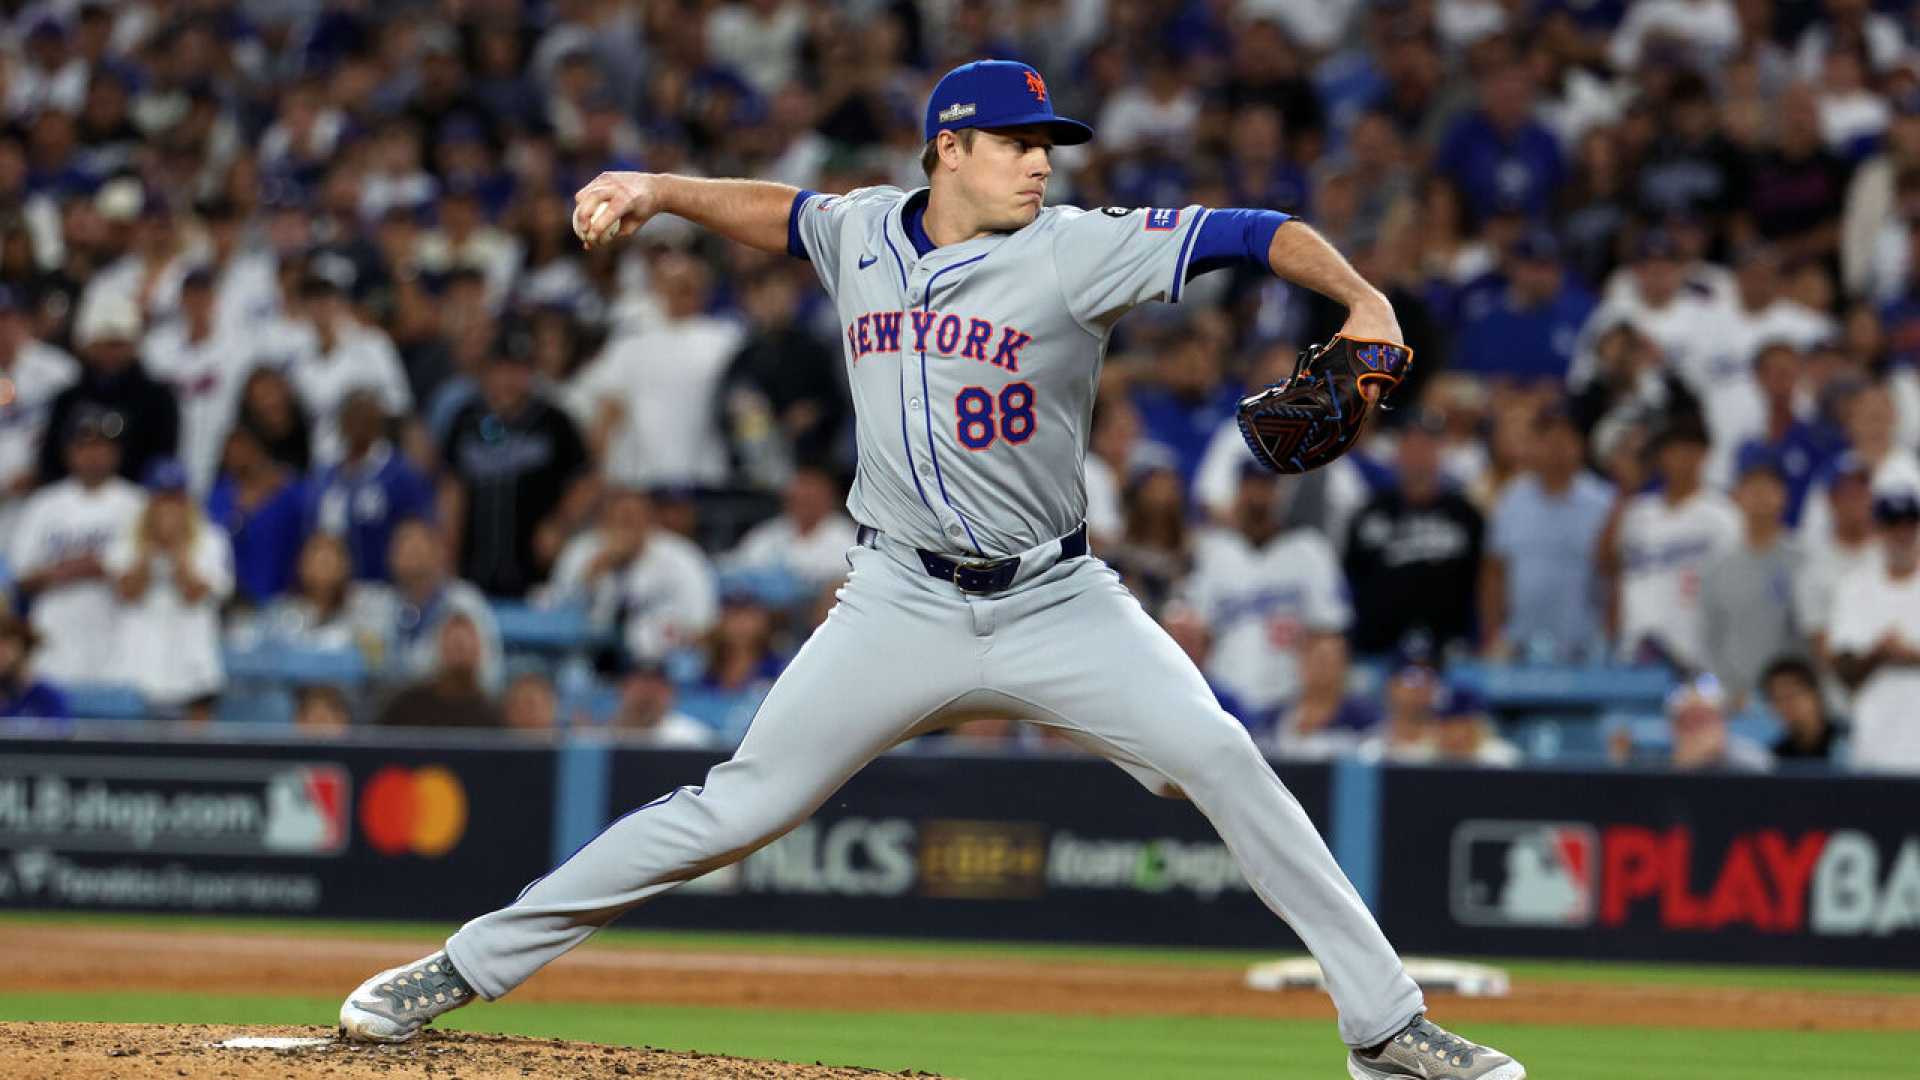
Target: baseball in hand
595, 233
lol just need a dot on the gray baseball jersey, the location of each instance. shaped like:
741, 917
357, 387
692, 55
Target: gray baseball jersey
973, 370
974, 366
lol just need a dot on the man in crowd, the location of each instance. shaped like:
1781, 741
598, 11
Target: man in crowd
1875, 638
1266, 593
516, 478
630, 570
370, 490
1663, 542
1539, 595
62, 537
1413, 554
111, 378
1746, 590
652, 392
808, 539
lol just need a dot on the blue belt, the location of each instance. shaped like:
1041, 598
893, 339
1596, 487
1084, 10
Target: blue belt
981, 576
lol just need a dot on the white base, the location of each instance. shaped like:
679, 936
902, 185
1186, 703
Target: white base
264, 1042
1433, 976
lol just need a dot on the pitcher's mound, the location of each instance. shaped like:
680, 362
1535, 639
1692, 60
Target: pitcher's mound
171, 1051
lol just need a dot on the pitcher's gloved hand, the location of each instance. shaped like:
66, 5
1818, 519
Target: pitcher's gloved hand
1312, 418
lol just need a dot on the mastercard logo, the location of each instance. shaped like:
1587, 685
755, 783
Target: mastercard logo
423, 811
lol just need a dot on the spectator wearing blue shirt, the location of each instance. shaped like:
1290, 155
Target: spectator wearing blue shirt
261, 504
1528, 329
1499, 153
370, 491
1803, 450
1188, 400
1540, 595
23, 697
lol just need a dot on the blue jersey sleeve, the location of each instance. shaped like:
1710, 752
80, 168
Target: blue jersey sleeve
1227, 237
795, 247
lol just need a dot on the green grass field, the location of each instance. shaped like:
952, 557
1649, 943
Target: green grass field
1042, 1047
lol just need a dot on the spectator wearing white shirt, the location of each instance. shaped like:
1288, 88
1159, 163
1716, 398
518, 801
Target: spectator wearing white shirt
35, 372
1704, 31
346, 355
1875, 638
629, 570
50, 75
1158, 113
246, 284
651, 392
1875, 246
1871, 419
1664, 297
466, 238
1662, 544
646, 714
1760, 315
58, 547
1850, 22
1849, 547
808, 540
759, 40
205, 363
1267, 593
172, 569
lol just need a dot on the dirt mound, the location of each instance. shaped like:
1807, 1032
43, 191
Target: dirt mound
171, 1051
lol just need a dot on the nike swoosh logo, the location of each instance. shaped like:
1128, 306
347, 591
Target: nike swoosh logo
868, 260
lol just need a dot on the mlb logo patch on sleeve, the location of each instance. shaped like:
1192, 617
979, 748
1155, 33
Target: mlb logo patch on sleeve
1162, 220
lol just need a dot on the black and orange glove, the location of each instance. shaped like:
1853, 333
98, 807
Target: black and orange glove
1312, 418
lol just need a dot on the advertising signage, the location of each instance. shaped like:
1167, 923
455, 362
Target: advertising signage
1047, 847
1654, 866
382, 830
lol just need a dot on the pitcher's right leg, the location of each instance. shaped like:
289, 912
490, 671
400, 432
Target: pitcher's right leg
885, 658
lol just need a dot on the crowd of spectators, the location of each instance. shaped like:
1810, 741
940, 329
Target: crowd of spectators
296, 347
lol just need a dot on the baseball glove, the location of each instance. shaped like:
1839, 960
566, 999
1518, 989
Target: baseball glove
1309, 420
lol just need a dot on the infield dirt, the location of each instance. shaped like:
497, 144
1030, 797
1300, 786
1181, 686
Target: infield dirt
83, 959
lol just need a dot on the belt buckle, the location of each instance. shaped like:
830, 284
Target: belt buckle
979, 576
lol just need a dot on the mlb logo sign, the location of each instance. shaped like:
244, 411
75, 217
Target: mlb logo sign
1162, 220
1540, 874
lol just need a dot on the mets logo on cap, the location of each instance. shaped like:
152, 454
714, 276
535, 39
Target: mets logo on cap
998, 94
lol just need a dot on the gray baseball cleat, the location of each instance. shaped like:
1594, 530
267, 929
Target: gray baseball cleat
1426, 1051
394, 1005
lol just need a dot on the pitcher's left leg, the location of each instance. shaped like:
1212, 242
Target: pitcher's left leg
1083, 654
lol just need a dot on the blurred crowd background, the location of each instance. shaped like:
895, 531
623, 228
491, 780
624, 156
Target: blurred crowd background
313, 411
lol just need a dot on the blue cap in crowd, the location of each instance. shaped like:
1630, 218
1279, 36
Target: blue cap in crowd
998, 94
1460, 700
1759, 457
164, 475
1537, 245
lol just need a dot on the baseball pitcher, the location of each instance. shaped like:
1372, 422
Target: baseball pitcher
974, 321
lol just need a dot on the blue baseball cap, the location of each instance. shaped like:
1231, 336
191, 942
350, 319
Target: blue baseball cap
1460, 700
998, 94
165, 474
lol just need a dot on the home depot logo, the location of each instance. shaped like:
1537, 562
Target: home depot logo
422, 811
